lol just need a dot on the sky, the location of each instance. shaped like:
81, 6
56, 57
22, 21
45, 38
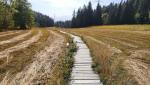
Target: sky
63, 9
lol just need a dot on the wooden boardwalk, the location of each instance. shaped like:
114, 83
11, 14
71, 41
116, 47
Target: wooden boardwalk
82, 73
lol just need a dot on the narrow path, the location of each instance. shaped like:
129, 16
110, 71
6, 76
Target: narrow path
82, 72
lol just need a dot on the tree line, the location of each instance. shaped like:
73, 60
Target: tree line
18, 14
43, 20
64, 24
86, 16
125, 12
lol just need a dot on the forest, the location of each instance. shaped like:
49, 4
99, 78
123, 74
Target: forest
125, 12
17, 14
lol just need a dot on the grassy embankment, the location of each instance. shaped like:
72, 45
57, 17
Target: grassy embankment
119, 52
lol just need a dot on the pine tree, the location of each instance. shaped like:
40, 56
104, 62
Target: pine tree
78, 18
128, 13
98, 15
112, 10
89, 15
73, 22
118, 13
84, 16
144, 11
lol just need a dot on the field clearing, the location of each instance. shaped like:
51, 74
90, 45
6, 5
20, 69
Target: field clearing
121, 53
30, 57
125, 27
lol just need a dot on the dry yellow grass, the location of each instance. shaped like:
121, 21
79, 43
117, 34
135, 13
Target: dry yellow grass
39, 62
116, 51
11, 44
22, 57
10, 35
125, 27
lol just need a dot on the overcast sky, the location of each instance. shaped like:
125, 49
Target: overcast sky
63, 9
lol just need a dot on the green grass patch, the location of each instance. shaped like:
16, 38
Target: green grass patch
68, 61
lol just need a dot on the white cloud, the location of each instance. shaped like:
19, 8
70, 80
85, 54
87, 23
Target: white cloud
62, 9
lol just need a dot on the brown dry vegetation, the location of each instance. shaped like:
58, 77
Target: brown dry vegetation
32, 59
121, 53
16, 40
10, 35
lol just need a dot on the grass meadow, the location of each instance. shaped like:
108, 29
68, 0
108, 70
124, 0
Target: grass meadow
121, 53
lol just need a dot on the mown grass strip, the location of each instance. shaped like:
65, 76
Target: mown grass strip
6, 32
11, 35
11, 44
20, 59
125, 27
